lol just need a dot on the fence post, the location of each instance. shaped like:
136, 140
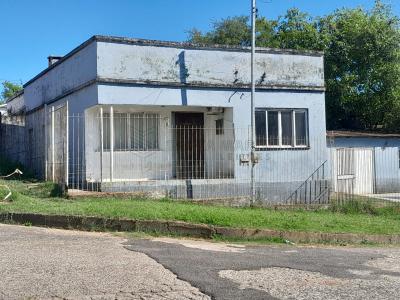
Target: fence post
67, 145
111, 143
52, 145
101, 143
46, 154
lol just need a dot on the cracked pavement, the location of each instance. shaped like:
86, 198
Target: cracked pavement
41, 263
279, 271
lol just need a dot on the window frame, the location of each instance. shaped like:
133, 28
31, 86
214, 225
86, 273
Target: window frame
144, 116
219, 126
280, 145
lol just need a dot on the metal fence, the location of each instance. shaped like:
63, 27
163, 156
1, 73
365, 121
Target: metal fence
148, 153
151, 154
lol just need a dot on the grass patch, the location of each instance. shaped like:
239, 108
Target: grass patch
365, 205
37, 198
32, 189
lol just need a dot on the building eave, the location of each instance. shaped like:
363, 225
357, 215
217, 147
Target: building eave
360, 134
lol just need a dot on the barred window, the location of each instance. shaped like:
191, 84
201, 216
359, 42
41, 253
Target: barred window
281, 128
132, 132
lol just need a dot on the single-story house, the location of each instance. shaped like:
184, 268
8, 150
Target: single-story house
122, 114
365, 162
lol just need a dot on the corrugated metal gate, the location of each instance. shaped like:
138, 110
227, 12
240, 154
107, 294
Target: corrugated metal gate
353, 170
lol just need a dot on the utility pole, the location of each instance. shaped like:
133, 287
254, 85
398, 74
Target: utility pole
253, 92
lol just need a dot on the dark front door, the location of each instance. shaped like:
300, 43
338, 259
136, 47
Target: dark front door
189, 132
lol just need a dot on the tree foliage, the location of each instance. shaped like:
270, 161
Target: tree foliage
362, 58
9, 90
230, 31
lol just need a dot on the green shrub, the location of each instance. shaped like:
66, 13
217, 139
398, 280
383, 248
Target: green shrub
365, 206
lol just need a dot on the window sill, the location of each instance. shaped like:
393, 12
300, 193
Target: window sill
279, 148
122, 151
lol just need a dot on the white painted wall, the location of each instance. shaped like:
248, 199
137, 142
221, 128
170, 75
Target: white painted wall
156, 165
167, 64
71, 73
275, 166
151, 64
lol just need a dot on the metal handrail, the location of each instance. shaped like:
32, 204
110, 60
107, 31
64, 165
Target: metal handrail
306, 182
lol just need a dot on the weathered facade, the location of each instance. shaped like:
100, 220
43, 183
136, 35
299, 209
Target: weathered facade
127, 114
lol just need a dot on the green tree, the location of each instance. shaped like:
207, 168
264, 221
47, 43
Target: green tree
9, 89
230, 31
362, 68
295, 30
362, 61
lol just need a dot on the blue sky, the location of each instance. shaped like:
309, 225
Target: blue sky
34, 29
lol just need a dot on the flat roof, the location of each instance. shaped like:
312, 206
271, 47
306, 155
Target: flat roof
360, 134
181, 45
187, 45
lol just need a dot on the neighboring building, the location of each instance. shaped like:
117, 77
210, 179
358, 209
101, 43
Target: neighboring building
13, 105
12, 128
3, 110
16, 105
365, 162
122, 114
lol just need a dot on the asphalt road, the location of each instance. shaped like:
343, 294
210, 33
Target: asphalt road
40, 263
279, 272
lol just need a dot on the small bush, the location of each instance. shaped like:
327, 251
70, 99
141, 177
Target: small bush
39, 190
366, 206
42, 190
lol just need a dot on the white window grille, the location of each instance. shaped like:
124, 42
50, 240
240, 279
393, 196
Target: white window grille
132, 131
281, 128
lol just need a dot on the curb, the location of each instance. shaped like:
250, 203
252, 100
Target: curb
103, 224
188, 229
